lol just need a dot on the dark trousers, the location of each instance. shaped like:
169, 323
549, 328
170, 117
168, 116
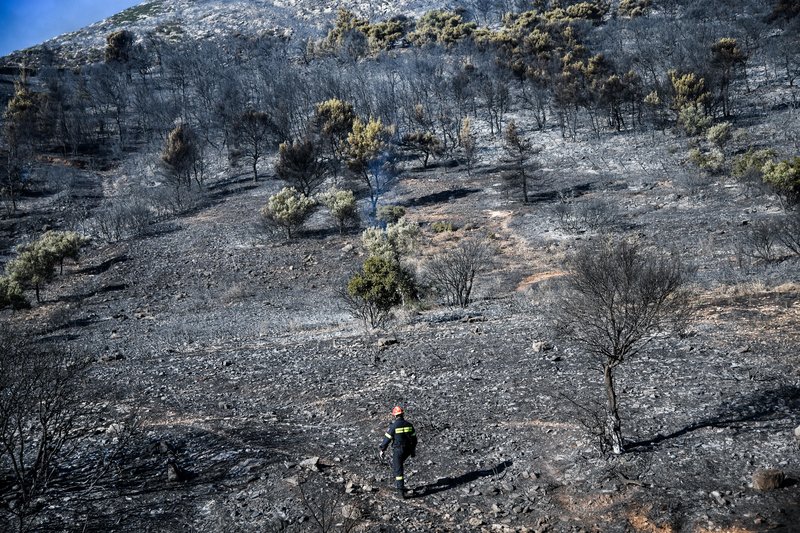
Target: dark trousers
399, 455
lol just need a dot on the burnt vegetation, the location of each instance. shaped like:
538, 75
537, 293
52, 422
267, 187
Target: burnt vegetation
575, 225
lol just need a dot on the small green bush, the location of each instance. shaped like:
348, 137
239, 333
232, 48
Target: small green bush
441, 226
11, 294
720, 134
342, 206
396, 241
381, 285
693, 118
751, 163
784, 176
390, 214
712, 161
288, 209
633, 8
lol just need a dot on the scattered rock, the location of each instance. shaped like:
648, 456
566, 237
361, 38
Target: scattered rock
718, 498
293, 480
541, 346
175, 473
312, 463
475, 522
351, 512
386, 341
161, 447
768, 479
797, 434
109, 357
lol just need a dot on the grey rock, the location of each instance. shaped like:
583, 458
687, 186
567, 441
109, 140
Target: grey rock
312, 463
541, 346
386, 341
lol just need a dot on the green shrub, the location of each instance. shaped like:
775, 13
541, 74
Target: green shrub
444, 27
693, 118
393, 243
751, 163
342, 207
11, 294
441, 226
381, 285
390, 214
712, 161
784, 176
633, 8
720, 134
288, 209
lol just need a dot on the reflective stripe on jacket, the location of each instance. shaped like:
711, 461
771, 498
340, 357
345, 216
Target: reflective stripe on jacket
401, 434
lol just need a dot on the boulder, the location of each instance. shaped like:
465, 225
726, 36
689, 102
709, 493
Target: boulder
768, 479
541, 346
351, 512
312, 463
386, 341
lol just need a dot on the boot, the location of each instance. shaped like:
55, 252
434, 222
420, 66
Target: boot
401, 492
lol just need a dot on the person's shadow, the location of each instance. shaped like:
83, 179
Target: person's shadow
447, 483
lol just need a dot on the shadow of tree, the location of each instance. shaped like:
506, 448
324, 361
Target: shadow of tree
758, 407
448, 483
439, 197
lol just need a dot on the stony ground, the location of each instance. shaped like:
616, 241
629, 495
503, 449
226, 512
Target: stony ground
230, 345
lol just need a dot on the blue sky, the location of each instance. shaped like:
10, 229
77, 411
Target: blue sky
24, 23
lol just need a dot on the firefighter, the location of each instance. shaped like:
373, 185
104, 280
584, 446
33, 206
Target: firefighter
404, 445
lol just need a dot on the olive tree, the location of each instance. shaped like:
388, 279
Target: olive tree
619, 297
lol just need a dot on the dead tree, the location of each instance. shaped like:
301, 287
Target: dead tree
519, 152
251, 137
38, 412
619, 297
452, 273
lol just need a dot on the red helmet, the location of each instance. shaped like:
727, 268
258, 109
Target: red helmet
397, 411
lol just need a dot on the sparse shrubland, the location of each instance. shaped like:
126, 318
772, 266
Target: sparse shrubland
510, 160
